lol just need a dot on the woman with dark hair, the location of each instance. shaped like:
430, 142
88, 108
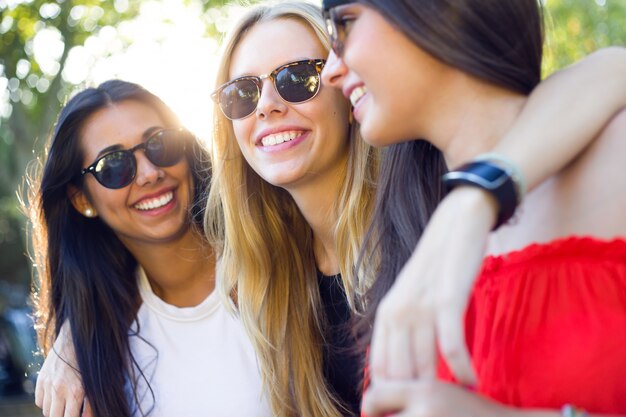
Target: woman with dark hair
124, 268
545, 318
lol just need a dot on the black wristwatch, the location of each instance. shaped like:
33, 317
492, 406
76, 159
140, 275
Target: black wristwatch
495, 179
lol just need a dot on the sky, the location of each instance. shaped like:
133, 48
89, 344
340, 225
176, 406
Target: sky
167, 53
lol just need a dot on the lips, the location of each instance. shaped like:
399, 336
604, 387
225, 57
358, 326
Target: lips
155, 202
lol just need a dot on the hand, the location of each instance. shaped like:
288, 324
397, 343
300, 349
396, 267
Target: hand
425, 307
428, 398
59, 390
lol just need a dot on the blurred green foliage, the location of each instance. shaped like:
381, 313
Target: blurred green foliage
574, 28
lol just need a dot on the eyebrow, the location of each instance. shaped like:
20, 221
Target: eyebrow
108, 149
248, 74
145, 135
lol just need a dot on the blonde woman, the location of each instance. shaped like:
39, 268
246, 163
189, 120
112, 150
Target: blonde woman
296, 187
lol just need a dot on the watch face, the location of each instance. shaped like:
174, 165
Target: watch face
492, 176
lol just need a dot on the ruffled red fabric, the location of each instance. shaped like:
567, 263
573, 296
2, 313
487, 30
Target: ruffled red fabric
546, 326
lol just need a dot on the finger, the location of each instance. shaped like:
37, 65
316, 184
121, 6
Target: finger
74, 403
39, 390
47, 398
87, 411
451, 335
377, 350
399, 364
385, 397
424, 351
57, 406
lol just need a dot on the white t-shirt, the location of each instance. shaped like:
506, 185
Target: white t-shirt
198, 360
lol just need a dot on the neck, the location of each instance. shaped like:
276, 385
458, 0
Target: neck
471, 118
181, 272
317, 201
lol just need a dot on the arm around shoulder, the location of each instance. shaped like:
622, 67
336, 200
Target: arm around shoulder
565, 113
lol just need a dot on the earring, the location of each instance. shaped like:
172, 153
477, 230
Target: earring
89, 212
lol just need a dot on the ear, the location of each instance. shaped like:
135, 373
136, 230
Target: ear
80, 202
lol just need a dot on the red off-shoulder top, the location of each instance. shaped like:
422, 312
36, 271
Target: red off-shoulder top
546, 326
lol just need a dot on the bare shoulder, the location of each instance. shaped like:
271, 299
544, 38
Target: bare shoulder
587, 198
594, 185
607, 151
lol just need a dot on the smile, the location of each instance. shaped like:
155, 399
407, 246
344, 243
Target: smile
356, 94
282, 137
155, 203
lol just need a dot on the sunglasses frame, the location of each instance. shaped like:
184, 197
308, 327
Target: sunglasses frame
91, 169
335, 34
258, 81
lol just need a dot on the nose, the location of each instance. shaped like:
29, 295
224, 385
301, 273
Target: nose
147, 172
335, 71
270, 101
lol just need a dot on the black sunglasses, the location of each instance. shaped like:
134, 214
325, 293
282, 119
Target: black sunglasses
336, 25
117, 169
295, 82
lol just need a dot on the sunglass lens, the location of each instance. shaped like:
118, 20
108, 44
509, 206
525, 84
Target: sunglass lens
166, 147
298, 83
116, 170
239, 99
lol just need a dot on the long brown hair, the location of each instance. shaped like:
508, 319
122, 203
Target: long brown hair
497, 41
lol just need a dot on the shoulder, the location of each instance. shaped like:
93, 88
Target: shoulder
606, 154
595, 182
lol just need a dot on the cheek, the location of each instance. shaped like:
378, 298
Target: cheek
332, 108
242, 130
106, 202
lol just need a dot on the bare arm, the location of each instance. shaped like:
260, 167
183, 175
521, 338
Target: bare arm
440, 399
565, 113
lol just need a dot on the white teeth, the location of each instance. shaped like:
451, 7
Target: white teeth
155, 202
356, 94
278, 138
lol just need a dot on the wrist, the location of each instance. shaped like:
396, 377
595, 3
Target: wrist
474, 203
499, 178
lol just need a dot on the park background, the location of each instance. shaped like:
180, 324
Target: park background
50, 49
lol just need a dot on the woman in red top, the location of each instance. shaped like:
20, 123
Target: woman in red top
545, 321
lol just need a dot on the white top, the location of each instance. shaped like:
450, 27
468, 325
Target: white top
198, 360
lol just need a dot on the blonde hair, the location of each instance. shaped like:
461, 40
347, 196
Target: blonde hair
268, 263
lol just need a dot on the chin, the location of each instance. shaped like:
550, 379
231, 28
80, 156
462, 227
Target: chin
380, 138
374, 137
280, 179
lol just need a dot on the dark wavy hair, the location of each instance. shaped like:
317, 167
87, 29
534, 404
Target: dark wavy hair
86, 276
497, 41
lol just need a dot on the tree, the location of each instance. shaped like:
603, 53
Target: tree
575, 28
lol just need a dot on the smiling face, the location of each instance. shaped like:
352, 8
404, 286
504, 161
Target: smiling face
394, 96
287, 144
154, 207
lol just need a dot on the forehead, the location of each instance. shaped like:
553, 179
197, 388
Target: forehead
270, 44
122, 123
